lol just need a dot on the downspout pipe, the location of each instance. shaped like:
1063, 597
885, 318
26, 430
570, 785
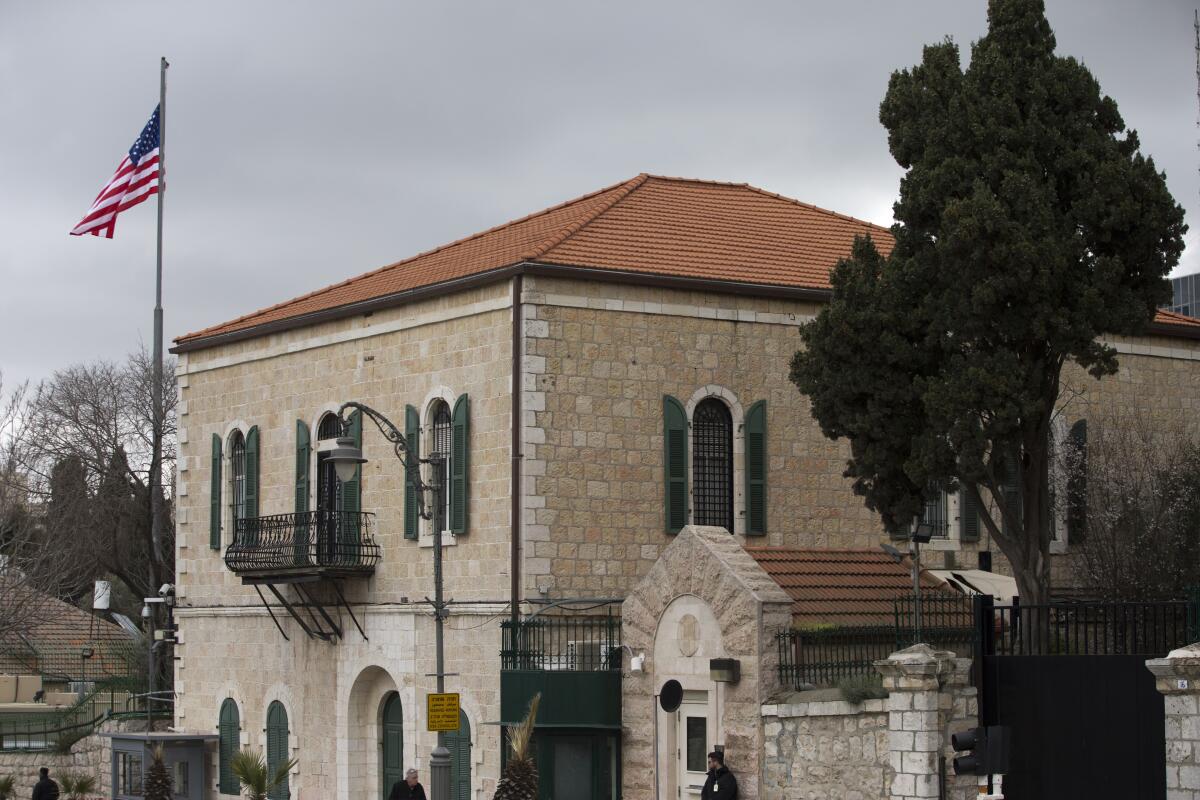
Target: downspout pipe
517, 455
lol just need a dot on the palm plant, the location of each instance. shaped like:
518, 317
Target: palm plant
158, 779
8, 787
250, 768
76, 786
520, 779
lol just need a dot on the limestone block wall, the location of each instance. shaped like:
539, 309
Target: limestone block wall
826, 748
334, 693
91, 755
1176, 676
405, 356
600, 358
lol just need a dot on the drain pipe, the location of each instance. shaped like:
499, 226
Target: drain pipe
517, 455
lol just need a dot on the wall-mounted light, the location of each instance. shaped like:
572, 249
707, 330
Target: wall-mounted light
725, 670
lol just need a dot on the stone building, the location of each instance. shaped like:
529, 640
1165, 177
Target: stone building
597, 376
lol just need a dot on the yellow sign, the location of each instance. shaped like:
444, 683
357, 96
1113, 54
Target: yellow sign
441, 712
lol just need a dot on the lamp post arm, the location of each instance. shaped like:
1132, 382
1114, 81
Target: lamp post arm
412, 465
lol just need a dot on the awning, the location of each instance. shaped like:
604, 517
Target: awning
976, 581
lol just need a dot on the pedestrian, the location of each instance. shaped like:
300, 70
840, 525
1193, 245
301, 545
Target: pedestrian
721, 785
46, 789
408, 789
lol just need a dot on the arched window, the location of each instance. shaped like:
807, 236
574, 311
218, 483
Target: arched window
440, 448
712, 464
329, 488
229, 730
237, 458
277, 747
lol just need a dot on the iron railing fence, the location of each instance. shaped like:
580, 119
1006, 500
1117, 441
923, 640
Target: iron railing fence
320, 539
1090, 628
58, 730
826, 655
568, 642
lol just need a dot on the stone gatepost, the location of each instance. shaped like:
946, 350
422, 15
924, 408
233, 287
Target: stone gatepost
927, 693
1178, 678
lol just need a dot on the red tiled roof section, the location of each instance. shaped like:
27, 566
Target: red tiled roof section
848, 588
656, 225
1164, 317
58, 640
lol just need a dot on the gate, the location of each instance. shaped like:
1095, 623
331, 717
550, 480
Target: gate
1070, 680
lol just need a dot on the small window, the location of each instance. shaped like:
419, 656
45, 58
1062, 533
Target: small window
937, 514
179, 779
237, 455
329, 487
712, 464
697, 744
440, 448
129, 774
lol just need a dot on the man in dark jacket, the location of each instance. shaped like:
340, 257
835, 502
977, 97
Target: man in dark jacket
721, 785
45, 789
408, 789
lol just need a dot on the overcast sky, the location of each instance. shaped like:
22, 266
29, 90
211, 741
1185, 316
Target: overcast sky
309, 142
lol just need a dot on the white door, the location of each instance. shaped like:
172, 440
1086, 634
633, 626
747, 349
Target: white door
694, 736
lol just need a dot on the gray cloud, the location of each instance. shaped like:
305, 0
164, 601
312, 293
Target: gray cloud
308, 142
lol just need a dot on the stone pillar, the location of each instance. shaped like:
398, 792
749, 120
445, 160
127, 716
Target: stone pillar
1178, 678
914, 678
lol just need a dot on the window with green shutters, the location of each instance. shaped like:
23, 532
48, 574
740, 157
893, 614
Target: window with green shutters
251, 496
459, 745
214, 490
412, 437
675, 464
229, 734
277, 747
352, 489
756, 469
460, 463
303, 450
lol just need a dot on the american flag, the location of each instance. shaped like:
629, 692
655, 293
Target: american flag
136, 179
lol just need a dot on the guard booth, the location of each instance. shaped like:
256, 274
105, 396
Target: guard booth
183, 753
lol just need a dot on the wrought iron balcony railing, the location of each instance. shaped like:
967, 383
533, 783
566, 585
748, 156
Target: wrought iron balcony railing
321, 541
563, 643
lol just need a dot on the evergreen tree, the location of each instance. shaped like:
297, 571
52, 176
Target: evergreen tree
1029, 226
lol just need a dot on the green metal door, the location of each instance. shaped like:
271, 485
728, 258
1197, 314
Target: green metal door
391, 746
459, 745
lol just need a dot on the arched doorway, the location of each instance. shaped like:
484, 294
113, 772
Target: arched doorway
459, 745
277, 747
391, 744
360, 765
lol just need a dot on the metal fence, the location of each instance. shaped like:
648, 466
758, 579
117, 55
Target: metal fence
59, 730
1091, 628
568, 642
826, 655
329, 539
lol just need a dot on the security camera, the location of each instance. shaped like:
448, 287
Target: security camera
166, 590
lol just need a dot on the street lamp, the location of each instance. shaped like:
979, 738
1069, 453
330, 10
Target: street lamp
346, 457
922, 532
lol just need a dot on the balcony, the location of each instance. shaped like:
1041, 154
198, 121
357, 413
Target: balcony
315, 544
574, 661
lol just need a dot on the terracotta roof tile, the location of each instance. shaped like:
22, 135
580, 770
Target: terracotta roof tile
851, 587
655, 225
53, 647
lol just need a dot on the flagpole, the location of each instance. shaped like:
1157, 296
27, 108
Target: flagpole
156, 415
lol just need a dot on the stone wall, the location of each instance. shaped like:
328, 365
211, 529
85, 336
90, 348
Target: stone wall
1178, 677
819, 747
91, 755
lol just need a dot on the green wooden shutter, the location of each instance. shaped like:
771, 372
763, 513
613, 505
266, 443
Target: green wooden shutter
1077, 482
968, 512
303, 442
675, 464
412, 436
352, 489
277, 747
459, 745
228, 729
214, 512
252, 473
756, 469
460, 455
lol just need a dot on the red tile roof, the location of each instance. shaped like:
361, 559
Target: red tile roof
1164, 317
649, 225
54, 646
850, 588
652, 225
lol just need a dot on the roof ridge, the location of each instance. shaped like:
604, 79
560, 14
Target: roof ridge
1176, 318
402, 262
819, 209
575, 227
